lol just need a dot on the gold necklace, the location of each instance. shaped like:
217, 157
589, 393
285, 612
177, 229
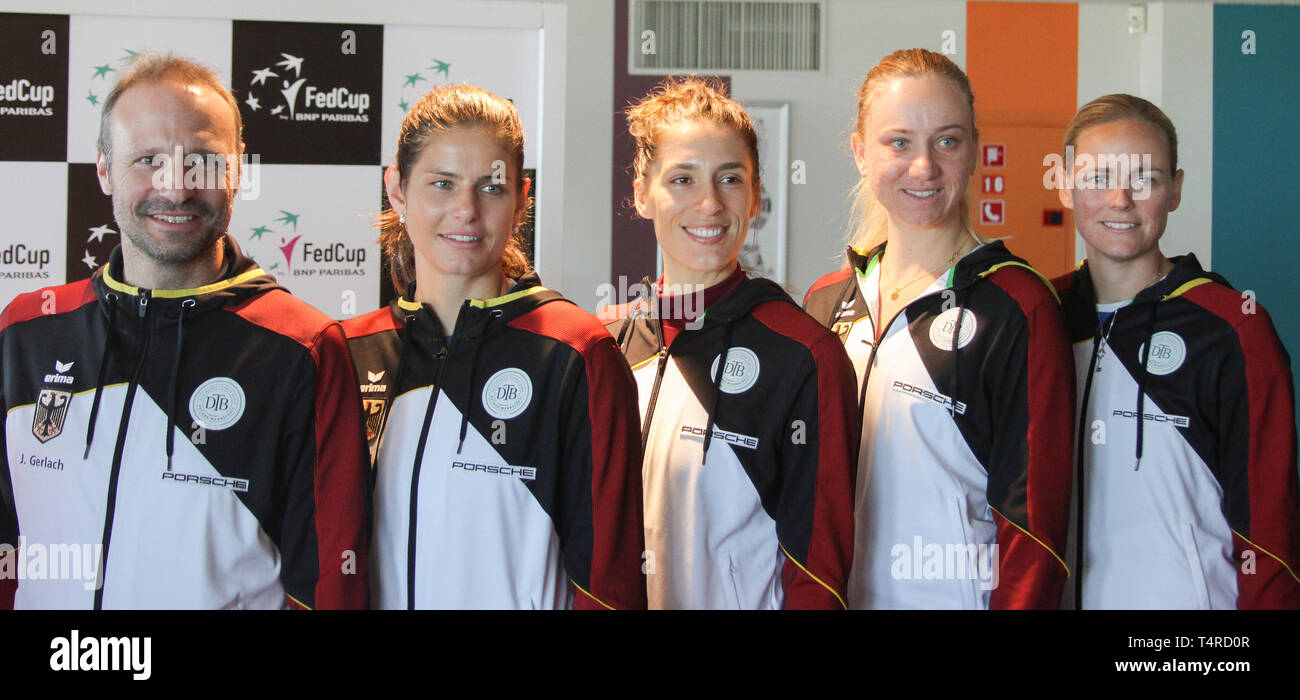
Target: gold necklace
894, 296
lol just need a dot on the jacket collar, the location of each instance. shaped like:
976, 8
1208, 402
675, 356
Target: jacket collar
1186, 274
240, 278
526, 294
971, 268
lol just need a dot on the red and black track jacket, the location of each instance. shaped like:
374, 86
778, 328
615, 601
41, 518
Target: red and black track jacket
205, 441
1195, 505
749, 465
506, 474
964, 474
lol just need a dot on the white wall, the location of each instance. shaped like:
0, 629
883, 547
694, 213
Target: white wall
588, 142
1185, 41
1108, 61
1172, 65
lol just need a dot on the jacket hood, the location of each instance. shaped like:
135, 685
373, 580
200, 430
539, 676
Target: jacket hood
1186, 273
240, 278
976, 265
526, 294
748, 294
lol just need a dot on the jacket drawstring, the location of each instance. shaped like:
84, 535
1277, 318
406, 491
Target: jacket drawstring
956, 347
103, 370
717, 391
176, 370
475, 343
646, 284
656, 322
1142, 381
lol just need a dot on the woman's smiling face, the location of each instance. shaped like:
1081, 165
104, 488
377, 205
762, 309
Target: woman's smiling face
917, 151
1122, 188
700, 192
460, 209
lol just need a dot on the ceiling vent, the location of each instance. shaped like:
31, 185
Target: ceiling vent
725, 36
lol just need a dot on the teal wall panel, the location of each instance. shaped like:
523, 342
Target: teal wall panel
1256, 219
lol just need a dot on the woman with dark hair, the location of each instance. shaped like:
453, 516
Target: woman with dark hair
964, 470
1194, 505
746, 403
501, 417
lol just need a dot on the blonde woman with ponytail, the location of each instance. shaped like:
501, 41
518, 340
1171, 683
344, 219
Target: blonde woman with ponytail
964, 373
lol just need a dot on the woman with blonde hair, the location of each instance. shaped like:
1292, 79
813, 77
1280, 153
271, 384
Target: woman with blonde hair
746, 403
501, 417
964, 372
1195, 505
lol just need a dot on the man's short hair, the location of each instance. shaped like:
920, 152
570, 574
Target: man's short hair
157, 68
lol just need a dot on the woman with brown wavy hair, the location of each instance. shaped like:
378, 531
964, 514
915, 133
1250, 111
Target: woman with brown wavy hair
747, 403
499, 481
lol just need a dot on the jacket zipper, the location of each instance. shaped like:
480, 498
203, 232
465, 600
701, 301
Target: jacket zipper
654, 395
419, 461
875, 343
871, 358
115, 470
1098, 349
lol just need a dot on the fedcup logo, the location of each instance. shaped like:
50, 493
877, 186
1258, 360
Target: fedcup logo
1103, 171
22, 97
302, 256
103, 82
319, 103
413, 80
211, 171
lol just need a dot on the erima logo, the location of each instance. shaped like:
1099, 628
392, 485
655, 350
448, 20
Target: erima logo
75, 653
528, 473
926, 394
60, 377
1180, 421
372, 387
737, 439
846, 309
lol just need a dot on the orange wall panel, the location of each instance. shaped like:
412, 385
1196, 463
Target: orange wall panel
1022, 59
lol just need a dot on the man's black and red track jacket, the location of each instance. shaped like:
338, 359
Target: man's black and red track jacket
205, 441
